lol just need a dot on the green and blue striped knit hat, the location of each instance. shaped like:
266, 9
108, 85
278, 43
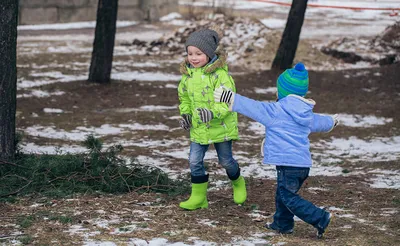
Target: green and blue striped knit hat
293, 81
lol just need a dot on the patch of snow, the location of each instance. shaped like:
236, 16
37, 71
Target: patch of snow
255, 239
179, 22
80, 133
171, 16
355, 149
126, 64
102, 243
76, 229
124, 230
354, 120
345, 215
66, 78
317, 189
148, 143
145, 76
69, 49
218, 184
33, 148
257, 128
274, 23
175, 117
105, 223
388, 212
173, 86
271, 90
335, 209
363, 221
258, 215
208, 222
140, 127
54, 75
387, 179
40, 94
71, 25
53, 110
158, 108
321, 170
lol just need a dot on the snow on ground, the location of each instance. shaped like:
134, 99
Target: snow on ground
80, 133
374, 150
87, 39
22, 83
72, 25
321, 22
145, 76
355, 149
325, 153
41, 93
362, 121
270, 90
255, 240
41, 149
51, 78
385, 179
53, 110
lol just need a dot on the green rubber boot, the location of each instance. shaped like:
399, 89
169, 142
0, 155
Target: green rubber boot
239, 190
198, 198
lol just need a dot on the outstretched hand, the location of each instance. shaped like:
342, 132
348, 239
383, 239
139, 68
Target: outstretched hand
335, 120
223, 94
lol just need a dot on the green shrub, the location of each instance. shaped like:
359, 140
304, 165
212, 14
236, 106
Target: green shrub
61, 175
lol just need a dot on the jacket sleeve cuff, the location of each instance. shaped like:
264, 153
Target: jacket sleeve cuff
333, 124
232, 102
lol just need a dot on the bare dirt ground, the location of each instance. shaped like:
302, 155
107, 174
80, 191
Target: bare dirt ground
364, 215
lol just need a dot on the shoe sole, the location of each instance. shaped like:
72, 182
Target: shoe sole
277, 230
319, 236
204, 205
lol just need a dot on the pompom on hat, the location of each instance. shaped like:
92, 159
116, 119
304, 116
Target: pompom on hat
293, 81
206, 40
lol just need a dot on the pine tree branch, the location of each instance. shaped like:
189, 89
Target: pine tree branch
12, 164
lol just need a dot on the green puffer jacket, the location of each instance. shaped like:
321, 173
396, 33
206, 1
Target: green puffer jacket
196, 90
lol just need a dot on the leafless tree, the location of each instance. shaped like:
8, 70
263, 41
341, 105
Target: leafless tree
287, 48
8, 76
103, 46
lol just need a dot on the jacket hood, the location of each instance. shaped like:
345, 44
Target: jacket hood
209, 68
299, 108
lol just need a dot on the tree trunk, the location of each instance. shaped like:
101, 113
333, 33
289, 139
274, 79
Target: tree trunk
103, 46
287, 48
8, 77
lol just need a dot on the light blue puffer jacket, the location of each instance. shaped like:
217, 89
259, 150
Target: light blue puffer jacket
288, 123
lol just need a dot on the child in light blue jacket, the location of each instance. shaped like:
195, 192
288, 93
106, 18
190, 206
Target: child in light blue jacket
288, 122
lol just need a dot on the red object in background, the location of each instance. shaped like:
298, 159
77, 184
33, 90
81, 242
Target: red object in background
394, 13
329, 6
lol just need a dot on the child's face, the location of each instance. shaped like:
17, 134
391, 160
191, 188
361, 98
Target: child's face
196, 57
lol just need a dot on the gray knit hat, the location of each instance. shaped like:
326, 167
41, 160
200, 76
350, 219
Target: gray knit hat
206, 40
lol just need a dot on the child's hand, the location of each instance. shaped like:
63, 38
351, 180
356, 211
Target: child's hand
223, 94
205, 115
186, 122
335, 120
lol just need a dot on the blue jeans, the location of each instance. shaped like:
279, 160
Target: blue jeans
288, 203
225, 158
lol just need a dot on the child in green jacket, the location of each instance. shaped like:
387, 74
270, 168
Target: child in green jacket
204, 70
